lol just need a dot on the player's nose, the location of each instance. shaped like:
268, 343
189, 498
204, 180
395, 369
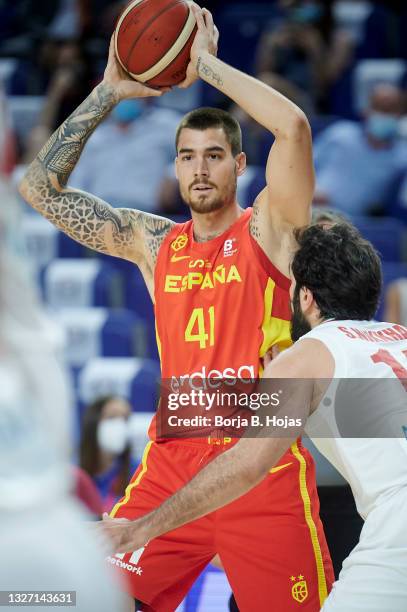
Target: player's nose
201, 167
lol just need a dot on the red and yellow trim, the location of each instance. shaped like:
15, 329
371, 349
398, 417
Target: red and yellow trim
275, 329
133, 484
322, 586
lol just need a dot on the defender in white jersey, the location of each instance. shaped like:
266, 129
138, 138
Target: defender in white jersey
334, 293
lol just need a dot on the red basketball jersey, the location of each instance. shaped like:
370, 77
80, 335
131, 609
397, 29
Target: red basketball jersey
219, 305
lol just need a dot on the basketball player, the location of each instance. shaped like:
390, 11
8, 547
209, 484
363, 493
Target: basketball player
223, 273
334, 295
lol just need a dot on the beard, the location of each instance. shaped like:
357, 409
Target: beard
299, 325
204, 204
214, 200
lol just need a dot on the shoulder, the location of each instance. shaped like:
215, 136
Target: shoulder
307, 358
153, 230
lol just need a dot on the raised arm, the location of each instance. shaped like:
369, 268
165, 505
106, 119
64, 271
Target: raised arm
289, 172
125, 233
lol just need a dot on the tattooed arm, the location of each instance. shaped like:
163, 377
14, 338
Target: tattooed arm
125, 233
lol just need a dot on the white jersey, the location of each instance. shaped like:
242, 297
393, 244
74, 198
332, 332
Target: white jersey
375, 466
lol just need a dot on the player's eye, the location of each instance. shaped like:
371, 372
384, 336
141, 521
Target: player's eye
186, 157
214, 156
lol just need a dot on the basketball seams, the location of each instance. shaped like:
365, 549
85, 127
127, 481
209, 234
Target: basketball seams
175, 58
147, 25
118, 26
172, 52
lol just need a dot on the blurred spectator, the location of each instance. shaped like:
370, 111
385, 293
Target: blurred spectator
70, 80
33, 19
356, 164
126, 157
44, 543
396, 302
306, 49
7, 138
105, 451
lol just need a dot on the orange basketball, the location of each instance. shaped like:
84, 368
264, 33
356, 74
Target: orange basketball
153, 39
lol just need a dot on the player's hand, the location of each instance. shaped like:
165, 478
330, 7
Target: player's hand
206, 39
123, 85
123, 535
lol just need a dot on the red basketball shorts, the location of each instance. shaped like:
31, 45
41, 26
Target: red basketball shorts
270, 541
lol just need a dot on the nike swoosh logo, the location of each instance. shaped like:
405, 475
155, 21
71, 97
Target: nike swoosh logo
175, 258
279, 467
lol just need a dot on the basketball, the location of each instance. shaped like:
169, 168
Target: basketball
153, 39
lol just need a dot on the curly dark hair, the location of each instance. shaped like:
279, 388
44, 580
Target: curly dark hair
342, 270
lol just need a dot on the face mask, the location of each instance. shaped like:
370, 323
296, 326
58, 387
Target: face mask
127, 111
382, 126
308, 13
112, 435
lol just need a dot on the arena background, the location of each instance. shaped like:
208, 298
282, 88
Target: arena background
327, 56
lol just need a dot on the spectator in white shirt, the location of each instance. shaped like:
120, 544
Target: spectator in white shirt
126, 158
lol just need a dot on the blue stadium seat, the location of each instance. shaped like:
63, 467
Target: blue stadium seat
134, 378
95, 332
211, 591
136, 297
81, 283
44, 242
25, 113
138, 300
398, 205
386, 234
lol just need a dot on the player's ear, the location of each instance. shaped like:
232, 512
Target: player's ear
240, 163
306, 298
176, 167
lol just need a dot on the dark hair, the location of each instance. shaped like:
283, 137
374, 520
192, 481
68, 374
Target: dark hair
342, 270
89, 448
207, 117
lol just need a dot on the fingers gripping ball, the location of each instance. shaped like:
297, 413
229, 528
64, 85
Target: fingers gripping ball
153, 39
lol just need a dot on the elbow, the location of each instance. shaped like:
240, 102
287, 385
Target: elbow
298, 128
31, 185
23, 188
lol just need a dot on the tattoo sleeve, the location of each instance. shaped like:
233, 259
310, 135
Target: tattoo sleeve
89, 220
61, 153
